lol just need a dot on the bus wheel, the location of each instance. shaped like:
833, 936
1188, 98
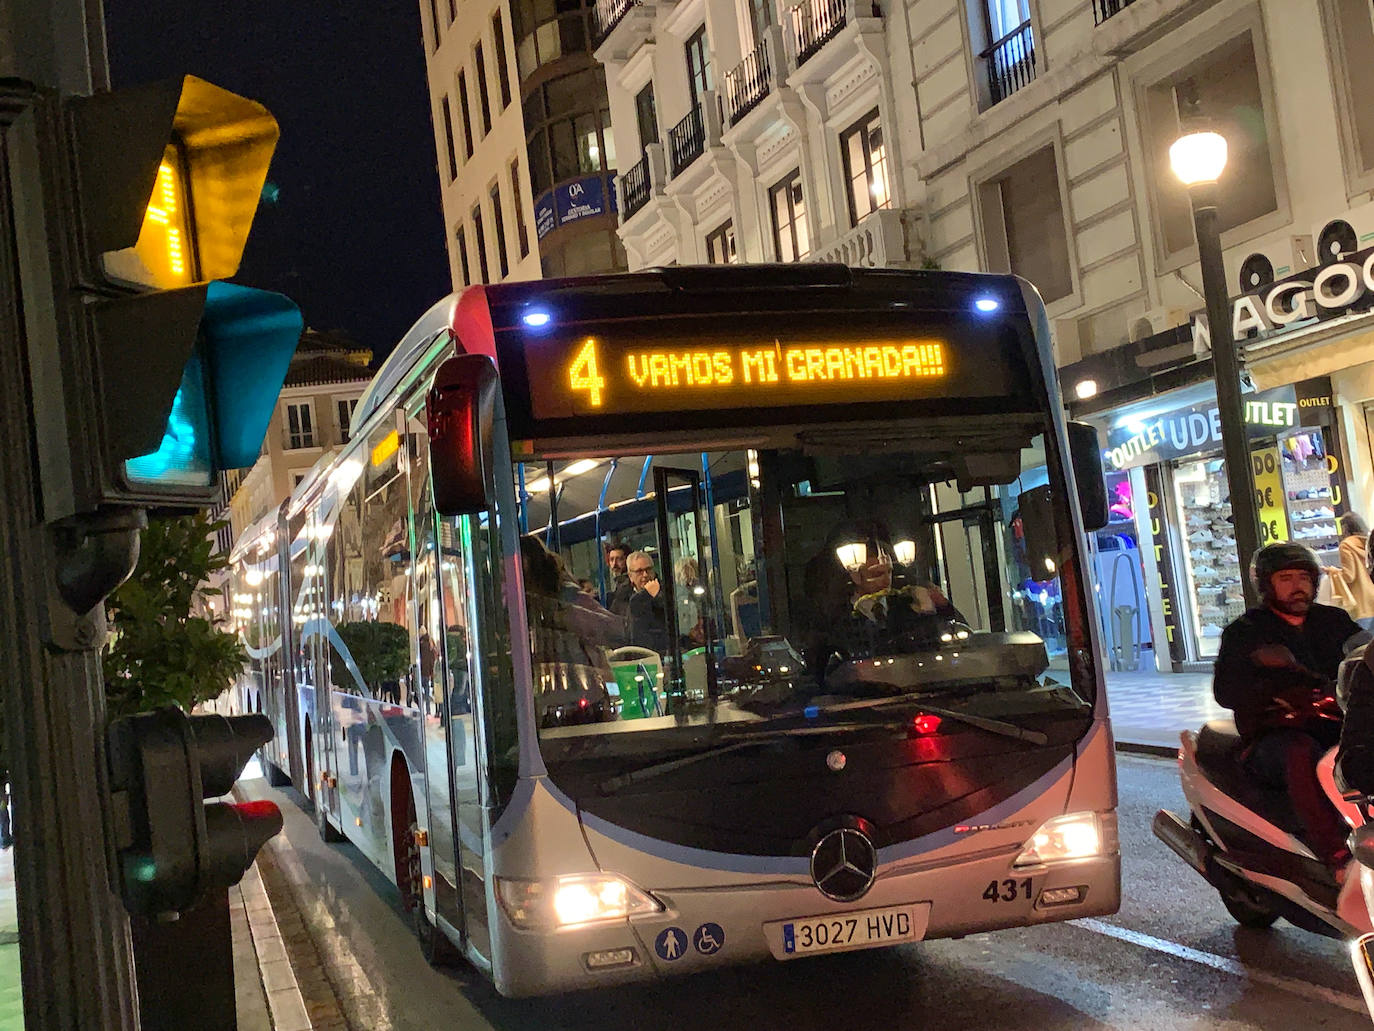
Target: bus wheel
434, 943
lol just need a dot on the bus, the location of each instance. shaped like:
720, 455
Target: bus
849, 697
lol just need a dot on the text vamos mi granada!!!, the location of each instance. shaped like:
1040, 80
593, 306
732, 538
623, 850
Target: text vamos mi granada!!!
793, 364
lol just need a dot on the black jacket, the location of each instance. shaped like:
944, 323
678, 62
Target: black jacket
1355, 760
1248, 689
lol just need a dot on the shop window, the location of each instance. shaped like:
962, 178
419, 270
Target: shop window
498, 38
498, 223
483, 96
646, 116
1224, 87
1214, 575
698, 65
480, 239
1023, 224
522, 234
720, 245
463, 114
449, 149
865, 167
1350, 42
790, 241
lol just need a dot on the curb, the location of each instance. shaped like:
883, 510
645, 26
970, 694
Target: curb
284, 1001
1154, 751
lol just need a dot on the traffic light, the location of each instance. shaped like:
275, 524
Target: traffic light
172, 849
169, 376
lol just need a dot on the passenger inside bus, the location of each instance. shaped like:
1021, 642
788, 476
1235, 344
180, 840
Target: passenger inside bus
867, 601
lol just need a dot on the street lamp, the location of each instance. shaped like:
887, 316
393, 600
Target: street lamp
1198, 159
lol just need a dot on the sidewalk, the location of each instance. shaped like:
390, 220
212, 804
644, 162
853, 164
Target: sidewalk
1150, 709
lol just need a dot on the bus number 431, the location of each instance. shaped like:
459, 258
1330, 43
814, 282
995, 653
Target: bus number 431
1007, 891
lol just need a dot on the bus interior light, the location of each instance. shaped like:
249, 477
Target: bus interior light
987, 304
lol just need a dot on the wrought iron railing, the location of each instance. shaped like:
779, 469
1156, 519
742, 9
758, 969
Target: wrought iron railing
1104, 9
634, 186
1010, 62
814, 24
686, 140
747, 83
606, 15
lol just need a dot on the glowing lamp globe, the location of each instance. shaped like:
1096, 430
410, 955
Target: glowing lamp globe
1198, 157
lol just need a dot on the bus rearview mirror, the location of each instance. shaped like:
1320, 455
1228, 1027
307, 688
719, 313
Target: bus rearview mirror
1038, 533
1086, 455
461, 414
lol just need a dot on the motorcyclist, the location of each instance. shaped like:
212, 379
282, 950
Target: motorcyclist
1273, 661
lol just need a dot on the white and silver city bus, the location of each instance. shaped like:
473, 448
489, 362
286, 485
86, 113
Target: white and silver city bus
859, 705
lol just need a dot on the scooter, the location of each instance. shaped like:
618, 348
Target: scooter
1241, 837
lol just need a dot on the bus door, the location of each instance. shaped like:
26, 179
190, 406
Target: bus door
688, 579
441, 666
970, 569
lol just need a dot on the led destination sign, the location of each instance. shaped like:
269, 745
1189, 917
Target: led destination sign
609, 371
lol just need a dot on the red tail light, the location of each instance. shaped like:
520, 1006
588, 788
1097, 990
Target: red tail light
925, 723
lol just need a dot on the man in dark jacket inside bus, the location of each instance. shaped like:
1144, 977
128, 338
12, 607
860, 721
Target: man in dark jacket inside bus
1273, 663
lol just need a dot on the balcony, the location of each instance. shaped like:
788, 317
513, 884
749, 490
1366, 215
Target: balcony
1010, 62
634, 188
686, 141
748, 83
606, 15
879, 241
814, 23
1104, 9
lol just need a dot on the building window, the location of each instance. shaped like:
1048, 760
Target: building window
479, 237
434, 20
1223, 87
463, 110
345, 408
1008, 54
790, 242
296, 479
646, 116
865, 166
547, 30
583, 255
300, 425
698, 65
498, 39
498, 225
449, 148
460, 243
1023, 224
566, 136
521, 233
452, 11
760, 18
483, 97
720, 245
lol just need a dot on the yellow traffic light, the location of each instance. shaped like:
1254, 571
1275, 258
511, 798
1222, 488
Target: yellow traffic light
164, 246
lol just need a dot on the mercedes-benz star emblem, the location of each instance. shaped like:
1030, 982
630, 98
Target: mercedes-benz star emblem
843, 864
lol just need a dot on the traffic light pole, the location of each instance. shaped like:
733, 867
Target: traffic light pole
75, 955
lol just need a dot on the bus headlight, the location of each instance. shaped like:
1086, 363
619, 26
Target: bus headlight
572, 899
1072, 836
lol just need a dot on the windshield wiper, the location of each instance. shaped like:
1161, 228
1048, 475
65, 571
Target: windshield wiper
992, 726
753, 738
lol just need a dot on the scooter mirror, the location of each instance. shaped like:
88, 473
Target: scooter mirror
1362, 845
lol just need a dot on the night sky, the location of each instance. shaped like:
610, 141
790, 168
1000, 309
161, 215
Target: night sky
356, 235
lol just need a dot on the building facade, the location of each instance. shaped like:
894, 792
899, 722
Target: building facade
328, 375
1032, 136
526, 161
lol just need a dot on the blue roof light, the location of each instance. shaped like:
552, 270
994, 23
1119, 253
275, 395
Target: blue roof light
986, 304
536, 319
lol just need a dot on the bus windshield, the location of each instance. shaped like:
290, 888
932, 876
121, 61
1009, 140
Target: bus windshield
784, 587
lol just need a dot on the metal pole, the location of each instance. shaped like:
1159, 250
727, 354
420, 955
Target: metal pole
1235, 443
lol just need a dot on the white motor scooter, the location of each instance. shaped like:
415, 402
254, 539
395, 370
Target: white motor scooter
1241, 838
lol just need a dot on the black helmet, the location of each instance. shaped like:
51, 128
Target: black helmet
1274, 558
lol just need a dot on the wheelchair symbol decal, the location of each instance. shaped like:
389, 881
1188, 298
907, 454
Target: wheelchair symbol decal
709, 939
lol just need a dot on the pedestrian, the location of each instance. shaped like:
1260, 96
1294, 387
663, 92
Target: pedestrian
1351, 586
